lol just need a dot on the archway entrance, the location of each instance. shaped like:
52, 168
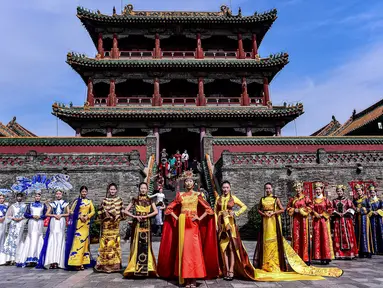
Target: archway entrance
181, 139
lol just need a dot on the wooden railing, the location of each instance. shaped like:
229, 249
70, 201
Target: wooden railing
178, 101
209, 54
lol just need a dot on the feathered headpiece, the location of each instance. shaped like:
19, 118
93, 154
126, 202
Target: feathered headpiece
318, 184
298, 184
340, 186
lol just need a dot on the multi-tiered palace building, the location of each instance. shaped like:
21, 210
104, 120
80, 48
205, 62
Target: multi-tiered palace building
178, 75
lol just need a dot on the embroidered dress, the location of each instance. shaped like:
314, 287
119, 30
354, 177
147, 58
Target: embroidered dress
188, 248
273, 250
362, 227
228, 233
34, 241
3, 225
54, 243
376, 224
78, 252
300, 224
109, 253
141, 260
322, 247
15, 233
345, 246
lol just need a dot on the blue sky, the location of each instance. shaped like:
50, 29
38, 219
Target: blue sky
335, 48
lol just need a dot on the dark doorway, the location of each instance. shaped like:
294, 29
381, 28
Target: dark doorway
181, 139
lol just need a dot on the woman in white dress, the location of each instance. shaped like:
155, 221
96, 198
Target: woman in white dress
14, 216
30, 252
53, 251
3, 224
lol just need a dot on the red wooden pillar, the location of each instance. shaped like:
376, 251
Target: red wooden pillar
255, 46
112, 99
245, 101
115, 50
240, 51
89, 95
100, 45
201, 99
157, 47
266, 95
157, 100
199, 50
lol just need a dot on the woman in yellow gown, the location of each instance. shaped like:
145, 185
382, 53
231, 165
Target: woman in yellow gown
77, 253
269, 256
234, 258
111, 213
141, 259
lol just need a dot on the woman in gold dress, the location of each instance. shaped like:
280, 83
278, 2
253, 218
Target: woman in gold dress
77, 253
272, 248
234, 258
110, 213
141, 259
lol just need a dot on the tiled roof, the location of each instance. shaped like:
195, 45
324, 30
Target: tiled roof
360, 119
276, 60
326, 140
177, 113
147, 17
328, 129
72, 141
18, 129
6, 132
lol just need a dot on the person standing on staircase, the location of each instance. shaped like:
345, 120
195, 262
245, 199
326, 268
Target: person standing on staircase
185, 160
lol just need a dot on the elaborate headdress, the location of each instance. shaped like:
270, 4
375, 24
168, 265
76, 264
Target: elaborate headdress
358, 186
318, 184
298, 184
340, 186
188, 175
371, 188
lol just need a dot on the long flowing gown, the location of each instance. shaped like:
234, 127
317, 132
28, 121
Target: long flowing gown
15, 233
109, 252
188, 248
322, 247
300, 224
3, 225
31, 247
53, 250
376, 224
141, 258
77, 250
363, 227
228, 233
273, 250
345, 246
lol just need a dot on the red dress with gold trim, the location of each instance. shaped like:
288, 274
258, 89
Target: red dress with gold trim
188, 248
345, 245
300, 224
322, 248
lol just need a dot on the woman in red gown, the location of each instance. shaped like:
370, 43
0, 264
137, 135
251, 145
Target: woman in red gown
299, 208
345, 246
322, 248
188, 247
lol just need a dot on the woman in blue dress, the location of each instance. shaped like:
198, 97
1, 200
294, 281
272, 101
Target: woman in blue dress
376, 220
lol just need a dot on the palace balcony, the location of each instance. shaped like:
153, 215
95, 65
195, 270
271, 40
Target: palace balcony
211, 54
177, 101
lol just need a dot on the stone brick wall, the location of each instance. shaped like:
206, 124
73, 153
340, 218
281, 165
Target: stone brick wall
248, 172
94, 170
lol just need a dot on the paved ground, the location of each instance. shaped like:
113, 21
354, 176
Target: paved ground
358, 273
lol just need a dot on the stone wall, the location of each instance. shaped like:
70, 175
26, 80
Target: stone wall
248, 172
94, 170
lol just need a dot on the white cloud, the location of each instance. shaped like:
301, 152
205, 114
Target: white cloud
356, 84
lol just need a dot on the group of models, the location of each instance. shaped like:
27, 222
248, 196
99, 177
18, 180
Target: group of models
198, 242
